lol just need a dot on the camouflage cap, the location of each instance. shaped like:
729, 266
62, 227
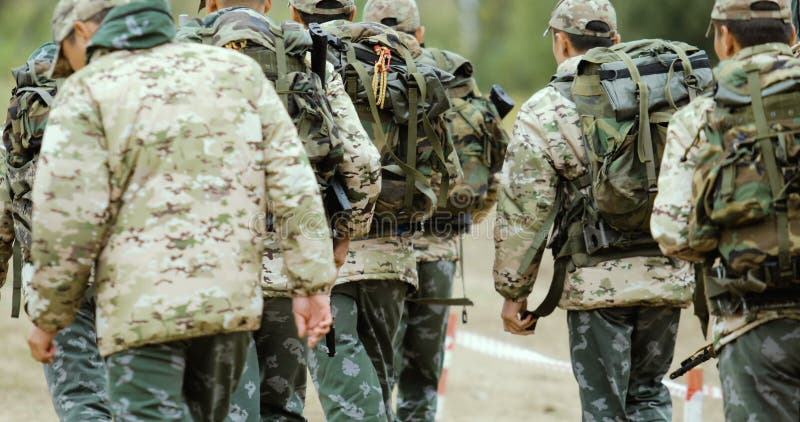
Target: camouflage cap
310, 7
404, 14
572, 16
66, 14
742, 10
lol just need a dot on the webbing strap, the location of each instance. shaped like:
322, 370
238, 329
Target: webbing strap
411, 144
688, 71
553, 297
282, 85
774, 174
699, 300
44, 93
16, 295
380, 135
646, 149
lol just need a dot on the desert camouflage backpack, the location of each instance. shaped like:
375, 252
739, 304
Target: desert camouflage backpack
476, 129
281, 52
28, 110
747, 184
402, 104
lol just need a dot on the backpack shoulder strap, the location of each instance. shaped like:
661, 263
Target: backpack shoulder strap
774, 174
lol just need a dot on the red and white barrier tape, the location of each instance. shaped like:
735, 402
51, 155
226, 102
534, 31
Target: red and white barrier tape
509, 352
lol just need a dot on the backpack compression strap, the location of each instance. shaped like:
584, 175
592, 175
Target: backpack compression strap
773, 173
281, 84
646, 149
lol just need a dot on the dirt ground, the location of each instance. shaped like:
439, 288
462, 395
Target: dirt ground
480, 388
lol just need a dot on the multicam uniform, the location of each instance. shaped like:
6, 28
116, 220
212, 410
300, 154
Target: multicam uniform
281, 353
77, 378
757, 360
626, 307
132, 178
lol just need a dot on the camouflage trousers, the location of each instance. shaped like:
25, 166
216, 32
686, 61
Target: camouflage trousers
186, 380
419, 344
282, 357
77, 377
760, 374
619, 358
355, 385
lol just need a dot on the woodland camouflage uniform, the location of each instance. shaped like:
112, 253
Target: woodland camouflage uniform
367, 303
173, 227
419, 343
621, 309
282, 354
759, 369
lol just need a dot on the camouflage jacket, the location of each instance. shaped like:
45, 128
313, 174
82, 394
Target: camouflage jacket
430, 248
7, 233
384, 258
546, 147
360, 169
673, 205
166, 191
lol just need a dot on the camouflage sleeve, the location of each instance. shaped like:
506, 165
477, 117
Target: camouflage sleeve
72, 194
673, 205
294, 200
526, 198
6, 222
361, 166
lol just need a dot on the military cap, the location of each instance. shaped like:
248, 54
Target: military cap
572, 16
66, 14
310, 7
742, 10
403, 13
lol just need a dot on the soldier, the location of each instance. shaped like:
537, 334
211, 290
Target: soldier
367, 302
420, 341
751, 261
132, 178
77, 377
622, 314
282, 355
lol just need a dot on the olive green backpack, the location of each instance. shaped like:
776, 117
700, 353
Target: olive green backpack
747, 184
281, 52
475, 127
402, 104
28, 111
625, 95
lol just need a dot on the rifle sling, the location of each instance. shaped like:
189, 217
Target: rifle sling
16, 296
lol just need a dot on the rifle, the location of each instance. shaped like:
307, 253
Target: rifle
336, 197
698, 358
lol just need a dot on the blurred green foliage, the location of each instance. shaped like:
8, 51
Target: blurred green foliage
510, 49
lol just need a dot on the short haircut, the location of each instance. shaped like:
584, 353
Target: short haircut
584, 43
753, 32
97, 18
309, 18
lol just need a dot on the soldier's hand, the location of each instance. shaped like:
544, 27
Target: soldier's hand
341, 245
42, 346
313, 317
512, 323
